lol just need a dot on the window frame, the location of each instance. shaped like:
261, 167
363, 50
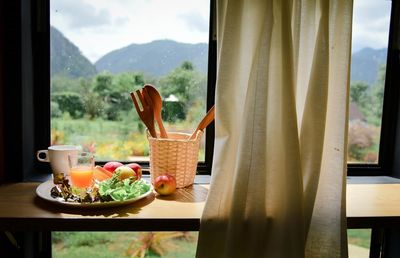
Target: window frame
40, 17
390, 111
26, 94
27, 102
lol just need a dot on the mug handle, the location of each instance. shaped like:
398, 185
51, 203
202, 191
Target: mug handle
46, 159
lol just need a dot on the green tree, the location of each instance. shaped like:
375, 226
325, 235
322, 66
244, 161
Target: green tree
103, 84
103, 88
62, 83
113, 91
125, 83
185, 83
359, 93
187, 66
70, 102
377, 94
55, 109
92, 102
369, 99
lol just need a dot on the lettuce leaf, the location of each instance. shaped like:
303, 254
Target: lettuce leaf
123, 190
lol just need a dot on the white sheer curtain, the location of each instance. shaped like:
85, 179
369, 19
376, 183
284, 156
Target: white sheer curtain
278, 178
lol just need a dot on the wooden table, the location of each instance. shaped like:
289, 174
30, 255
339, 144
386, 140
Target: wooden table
373, 205
21, 209
368, 206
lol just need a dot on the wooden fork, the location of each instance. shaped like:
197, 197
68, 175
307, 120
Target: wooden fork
147, 114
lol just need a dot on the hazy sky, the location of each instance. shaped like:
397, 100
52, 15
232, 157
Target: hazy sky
371, 23
100, 26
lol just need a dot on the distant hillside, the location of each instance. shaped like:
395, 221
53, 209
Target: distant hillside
156, 58
161, 56
66, 59
365, 64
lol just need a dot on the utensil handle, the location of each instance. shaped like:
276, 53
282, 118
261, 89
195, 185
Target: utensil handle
208, 118
152, 131
163, 132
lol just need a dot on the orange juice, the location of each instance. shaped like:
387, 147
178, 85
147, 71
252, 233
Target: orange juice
81, 176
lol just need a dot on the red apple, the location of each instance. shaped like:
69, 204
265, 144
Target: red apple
165, 184
112, 166
137, 168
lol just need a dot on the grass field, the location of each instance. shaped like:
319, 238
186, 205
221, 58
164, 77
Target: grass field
112, 140
359, 237
117, 244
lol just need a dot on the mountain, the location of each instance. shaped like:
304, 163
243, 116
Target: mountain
156, 58
161, 56
365, 64
66, 58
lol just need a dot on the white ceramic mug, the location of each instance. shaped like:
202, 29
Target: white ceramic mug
57, 155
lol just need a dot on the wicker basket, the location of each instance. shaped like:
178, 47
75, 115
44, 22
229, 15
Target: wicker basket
176, 156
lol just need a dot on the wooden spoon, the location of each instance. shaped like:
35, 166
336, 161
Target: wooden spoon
207, 119
157, 106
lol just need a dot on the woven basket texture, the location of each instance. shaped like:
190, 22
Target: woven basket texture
176, 156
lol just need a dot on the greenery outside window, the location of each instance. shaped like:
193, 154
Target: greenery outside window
374, 156
107, 49
28, 102
372, 91
368, 70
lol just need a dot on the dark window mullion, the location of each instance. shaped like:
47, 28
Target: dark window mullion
41, 68
390, 137
205, 168
391, 94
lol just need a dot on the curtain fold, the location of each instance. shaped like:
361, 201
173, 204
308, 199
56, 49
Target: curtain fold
278, 177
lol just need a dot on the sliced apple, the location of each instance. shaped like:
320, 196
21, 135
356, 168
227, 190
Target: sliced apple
101, 174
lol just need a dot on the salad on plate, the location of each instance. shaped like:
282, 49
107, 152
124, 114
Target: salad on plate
119, 187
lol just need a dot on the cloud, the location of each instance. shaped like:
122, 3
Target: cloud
194, 21
100, 26
370, 24
121, 21
83, 17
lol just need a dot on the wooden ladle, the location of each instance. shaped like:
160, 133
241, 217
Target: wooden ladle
207, 119
155, 96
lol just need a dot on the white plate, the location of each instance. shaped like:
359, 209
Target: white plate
43, 191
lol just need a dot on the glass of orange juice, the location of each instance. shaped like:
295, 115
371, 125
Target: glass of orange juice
81, 167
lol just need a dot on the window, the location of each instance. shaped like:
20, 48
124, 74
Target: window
27, 108
372, 92
368, 69
33, 108
102, 50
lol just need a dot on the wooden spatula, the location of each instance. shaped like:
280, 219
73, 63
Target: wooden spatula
157, 106
207, 119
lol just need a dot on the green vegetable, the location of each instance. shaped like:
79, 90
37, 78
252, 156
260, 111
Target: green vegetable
121, 190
